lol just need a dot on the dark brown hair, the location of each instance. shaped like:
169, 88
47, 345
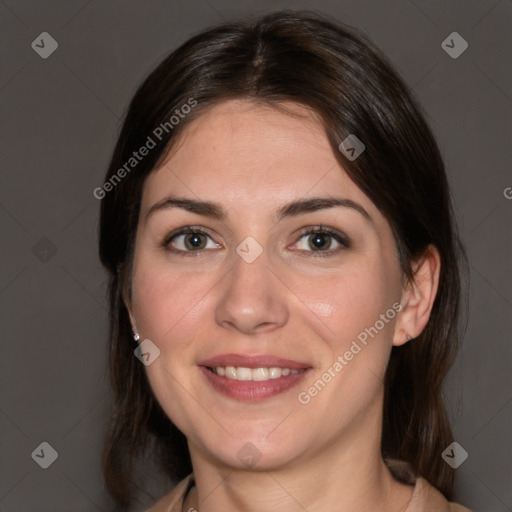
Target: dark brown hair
335, 71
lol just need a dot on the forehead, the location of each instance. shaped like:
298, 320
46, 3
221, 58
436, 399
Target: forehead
246, 154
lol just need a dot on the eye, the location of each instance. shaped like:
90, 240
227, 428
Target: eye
322, 239
189, 239
192, 241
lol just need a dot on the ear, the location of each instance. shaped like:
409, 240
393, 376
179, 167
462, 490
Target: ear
128, 305
126, 296
418, 296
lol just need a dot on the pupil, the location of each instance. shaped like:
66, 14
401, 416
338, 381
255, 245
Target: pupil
319, 241
194, 240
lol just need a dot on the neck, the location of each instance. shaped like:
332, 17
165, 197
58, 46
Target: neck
347, 475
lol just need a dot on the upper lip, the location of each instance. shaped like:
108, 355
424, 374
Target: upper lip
253, 361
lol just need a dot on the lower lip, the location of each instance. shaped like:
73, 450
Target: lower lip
250, 390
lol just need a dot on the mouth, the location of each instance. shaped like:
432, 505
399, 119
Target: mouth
252, 378
260, 374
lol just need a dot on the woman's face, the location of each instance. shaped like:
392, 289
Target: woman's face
273, 342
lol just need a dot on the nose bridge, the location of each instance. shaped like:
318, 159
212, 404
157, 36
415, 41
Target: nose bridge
252, 297
250, 270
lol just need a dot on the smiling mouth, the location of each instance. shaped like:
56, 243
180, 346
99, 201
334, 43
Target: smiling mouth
253, 377
253, 384
241, 373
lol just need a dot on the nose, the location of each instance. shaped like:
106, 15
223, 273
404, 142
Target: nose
252, 298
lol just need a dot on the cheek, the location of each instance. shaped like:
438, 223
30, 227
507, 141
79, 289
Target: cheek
165, 300
169, 309
345, 305
356, 342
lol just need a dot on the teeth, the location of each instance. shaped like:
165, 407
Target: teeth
243, 374
255, 374
260, 374
275, 373
230, 372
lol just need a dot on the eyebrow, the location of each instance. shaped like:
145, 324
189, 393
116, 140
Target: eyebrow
294, 208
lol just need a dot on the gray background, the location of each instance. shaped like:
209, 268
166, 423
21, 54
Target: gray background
59, 120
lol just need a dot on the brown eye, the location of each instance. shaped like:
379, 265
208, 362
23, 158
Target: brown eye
189, 240
194, 241
322, 240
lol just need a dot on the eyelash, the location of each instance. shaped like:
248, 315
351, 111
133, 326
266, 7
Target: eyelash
322, 230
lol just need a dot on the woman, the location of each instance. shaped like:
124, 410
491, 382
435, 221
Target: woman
277, 226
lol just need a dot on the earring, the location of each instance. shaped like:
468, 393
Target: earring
136, 336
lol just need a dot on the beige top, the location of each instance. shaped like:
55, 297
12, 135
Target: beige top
425, 497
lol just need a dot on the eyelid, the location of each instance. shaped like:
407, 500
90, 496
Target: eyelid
185, 230
339, 236
320, 228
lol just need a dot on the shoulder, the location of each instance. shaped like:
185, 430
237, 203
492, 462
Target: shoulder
172, 502
425, 497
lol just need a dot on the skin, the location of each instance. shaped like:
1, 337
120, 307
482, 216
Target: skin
289, 302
